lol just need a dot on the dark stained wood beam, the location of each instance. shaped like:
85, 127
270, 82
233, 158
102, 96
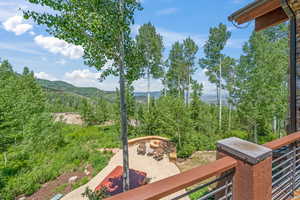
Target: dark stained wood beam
270, 19
261, 10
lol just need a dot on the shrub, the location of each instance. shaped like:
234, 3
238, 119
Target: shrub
97, 195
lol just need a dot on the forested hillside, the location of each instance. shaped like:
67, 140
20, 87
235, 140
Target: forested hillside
62, 88
90, 92
34, 149
66, 90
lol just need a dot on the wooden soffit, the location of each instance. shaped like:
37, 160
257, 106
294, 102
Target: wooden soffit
266, 13
270, 19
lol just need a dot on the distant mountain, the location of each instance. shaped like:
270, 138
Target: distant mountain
208, 98
155, 94
91, 92
142, 96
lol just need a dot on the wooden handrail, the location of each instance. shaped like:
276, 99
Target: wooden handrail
170, 185
275, 144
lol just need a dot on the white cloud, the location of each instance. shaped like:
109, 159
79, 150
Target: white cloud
170, 37
167, 11
236, 43
44, 75
208, 88
32, 33
56, 45
238, 1
61, 62
141, 85
7, 4
82, 75
15, 24
8, 9
88, 78
5, 14
22, 47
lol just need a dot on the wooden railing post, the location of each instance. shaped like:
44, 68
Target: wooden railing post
253, 175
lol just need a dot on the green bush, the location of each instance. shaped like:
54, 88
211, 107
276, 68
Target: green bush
79, 183
196, 195
186, 150
27, 170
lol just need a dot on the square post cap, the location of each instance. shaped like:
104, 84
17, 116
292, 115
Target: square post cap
244, 150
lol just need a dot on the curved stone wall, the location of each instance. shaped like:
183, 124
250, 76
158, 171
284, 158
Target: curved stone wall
146, 139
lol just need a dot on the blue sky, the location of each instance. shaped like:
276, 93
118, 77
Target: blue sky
24, 43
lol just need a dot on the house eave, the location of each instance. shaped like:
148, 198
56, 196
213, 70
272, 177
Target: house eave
234, 16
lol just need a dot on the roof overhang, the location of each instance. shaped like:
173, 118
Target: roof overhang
266, 13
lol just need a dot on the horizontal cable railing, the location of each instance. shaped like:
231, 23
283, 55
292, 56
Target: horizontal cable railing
285, 166
223, 190
209, 182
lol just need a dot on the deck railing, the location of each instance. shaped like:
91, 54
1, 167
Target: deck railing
220, 186
244, 171
221, 171
285, 166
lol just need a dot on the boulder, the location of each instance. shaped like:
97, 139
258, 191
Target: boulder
87, 172
73, 179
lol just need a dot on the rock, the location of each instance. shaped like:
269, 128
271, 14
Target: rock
73, 179
68, 118
22, 198
173, 156
113, 150
86, 171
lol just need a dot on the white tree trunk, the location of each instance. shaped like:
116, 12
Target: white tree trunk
178, 87
188, 88
220, 96
255, 134
275, 125
229, 117
123, 111
165, 84
148, 89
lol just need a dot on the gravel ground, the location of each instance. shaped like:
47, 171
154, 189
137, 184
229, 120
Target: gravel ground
198, 158
154, 169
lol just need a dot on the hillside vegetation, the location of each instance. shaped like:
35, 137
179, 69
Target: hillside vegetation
90, 92
34, 149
